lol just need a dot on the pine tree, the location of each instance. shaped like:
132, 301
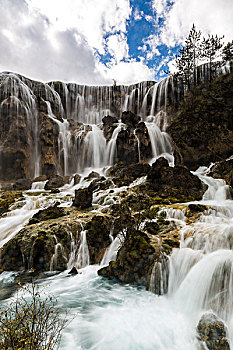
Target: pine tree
227, 53
189, 58
210, 51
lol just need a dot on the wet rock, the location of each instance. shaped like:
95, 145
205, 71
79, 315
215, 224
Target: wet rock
109, 120
34, 246
54, 182
52, 212
92, 175
73, 271
197, 207
133, 263
125, 174
22, 184
7, 199
212, 331
98, 240
77, 179
176, 184
40, 178
130, 119
100, 184
83, 198
223, 170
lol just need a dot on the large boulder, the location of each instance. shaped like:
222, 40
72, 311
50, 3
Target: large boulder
22, 184
52, 212
212, 331
109, 120
223, 170
97, 233
83, 198
174, 182
123, 174
54, 182
130, 119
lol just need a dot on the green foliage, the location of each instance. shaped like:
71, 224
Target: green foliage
210, 51
189, 58
227, 52
30, 321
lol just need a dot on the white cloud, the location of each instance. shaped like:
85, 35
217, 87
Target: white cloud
160, 7
210, 16
43, 44
138, 15
118, 47
92, 18
128, 72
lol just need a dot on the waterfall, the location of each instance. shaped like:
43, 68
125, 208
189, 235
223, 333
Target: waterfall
64, 140
83, 258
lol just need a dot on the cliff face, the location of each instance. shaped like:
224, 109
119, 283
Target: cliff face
202, 130
48, 128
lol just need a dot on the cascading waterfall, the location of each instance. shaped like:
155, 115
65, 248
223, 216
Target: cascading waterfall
83, 258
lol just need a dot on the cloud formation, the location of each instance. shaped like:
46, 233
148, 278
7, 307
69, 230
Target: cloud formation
49, 41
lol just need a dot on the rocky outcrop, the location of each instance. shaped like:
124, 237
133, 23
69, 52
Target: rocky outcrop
125, 174
202, 131
52, 212
176, 184
130, 119
83, 198
212, 331
54, 182
22, 184
223, 170
7, 199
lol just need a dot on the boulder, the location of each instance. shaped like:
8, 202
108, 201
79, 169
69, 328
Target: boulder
223, 170
49, 213
212, 331
54, 182
109, 120
97, 231
123, 174
77, 179
174, 182
92, 175
22, 185
83, 198
134, 261
130, 119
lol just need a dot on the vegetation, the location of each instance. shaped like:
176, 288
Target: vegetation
30, 321
199, 50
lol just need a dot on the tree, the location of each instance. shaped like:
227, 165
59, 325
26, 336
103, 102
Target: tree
227, 53
210, 51
31, 321
189, 58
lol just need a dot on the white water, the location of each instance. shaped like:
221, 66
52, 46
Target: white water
112, 316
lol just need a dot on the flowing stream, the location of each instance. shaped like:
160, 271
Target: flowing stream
108, 316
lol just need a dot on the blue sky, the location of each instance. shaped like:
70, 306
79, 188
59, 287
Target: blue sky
95, 41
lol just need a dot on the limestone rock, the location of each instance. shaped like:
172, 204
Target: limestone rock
22, 184
54, 182
83, 198
52, 212
212, 331
130, 119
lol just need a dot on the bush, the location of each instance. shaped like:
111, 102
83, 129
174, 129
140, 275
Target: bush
31, 321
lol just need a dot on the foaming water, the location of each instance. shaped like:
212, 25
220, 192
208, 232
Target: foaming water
111, 316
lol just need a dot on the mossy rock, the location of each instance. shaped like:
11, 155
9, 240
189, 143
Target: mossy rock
7, 199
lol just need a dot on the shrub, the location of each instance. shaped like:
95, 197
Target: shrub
31, 321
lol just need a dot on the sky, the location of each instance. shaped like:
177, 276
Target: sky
95, 41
